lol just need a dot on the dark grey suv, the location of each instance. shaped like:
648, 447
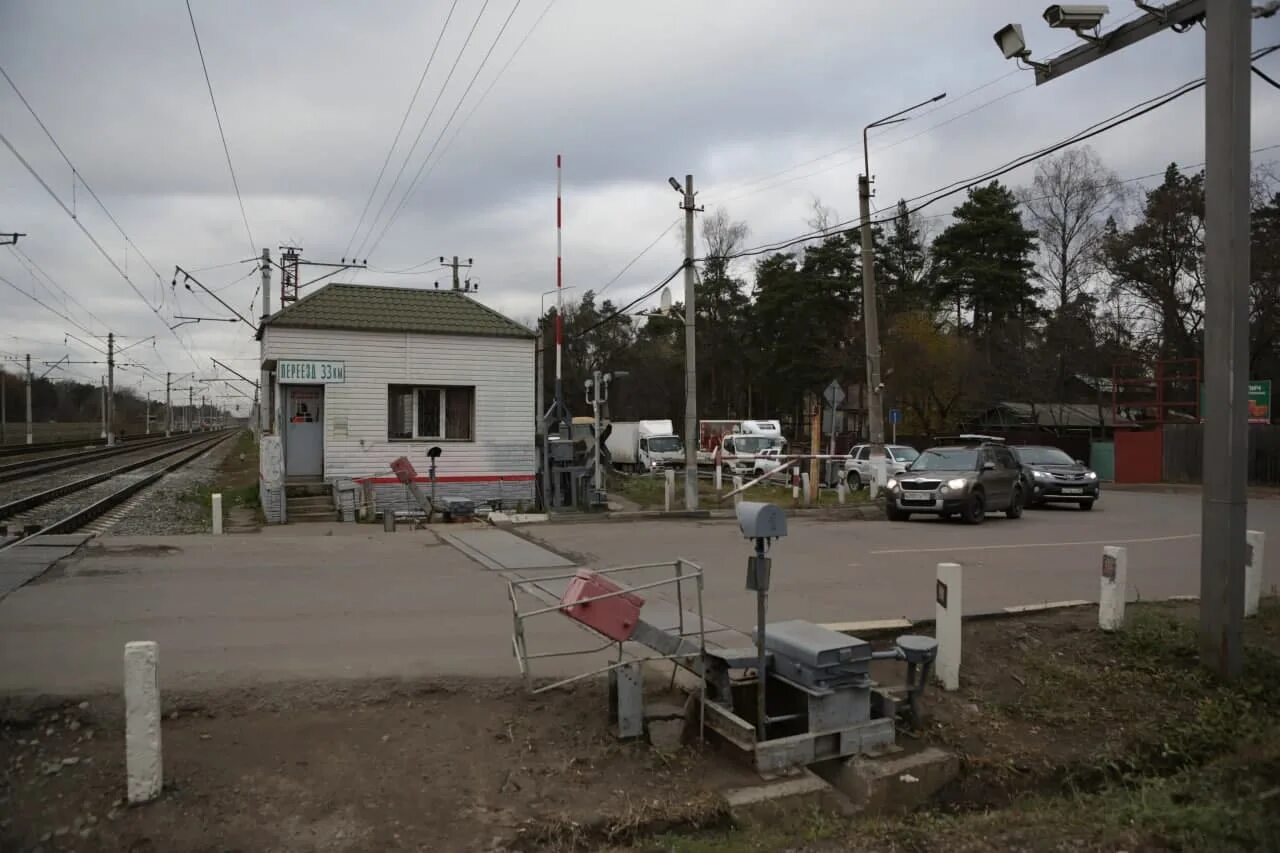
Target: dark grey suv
968, 481
1050, 475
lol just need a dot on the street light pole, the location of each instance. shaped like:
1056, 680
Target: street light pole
870, 310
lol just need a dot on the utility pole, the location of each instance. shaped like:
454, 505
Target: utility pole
103, 404
455, 265
191, 402
265, 268
1226, 338
30, 438
1228, 31
690, 350
4, 410
147, 414
111, 389
168, 407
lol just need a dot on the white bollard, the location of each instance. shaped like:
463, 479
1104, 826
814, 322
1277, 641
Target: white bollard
1115, 568
737, 484
719, 476
804, 489
669, 490
142, 722
950, 603
841, 487
217, 513
1256, 541
795, 488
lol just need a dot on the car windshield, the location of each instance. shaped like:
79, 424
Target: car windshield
946, 459
1043, 456
904, 454
753, 443
664, 444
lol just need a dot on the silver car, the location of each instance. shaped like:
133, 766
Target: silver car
857, 467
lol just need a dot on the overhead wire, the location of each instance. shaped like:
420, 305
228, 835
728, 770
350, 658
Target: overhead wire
489, 88
221, 132
76, 174
417, 177
17, 250
404, 164
396, 139
642, 253
46, 306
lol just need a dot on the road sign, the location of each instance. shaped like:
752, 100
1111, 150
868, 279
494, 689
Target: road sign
1260, 401
895, 416
834, 394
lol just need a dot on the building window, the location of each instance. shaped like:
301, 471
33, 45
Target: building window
416, 411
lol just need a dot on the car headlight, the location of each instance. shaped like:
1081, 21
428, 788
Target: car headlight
891, 483
957, 484
1041, 475
1091, 475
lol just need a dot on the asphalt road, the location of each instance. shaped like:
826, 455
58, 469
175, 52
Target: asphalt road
336, 601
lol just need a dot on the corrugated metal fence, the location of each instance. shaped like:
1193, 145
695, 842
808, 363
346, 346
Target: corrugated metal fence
1184, 452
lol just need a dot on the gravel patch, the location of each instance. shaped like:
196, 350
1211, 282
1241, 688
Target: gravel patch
166, 508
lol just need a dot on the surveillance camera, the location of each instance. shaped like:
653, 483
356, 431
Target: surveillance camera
1011, 43
1075, 16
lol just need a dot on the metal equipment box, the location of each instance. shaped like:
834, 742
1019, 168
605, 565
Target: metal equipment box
817, 657
615, 617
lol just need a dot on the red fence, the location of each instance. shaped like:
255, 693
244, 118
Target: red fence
1139, 456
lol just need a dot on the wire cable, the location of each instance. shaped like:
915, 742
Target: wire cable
1258, 71
485, 94
46, 306
4, 139
417, 177
643, 252
395, 141
619, 312
221, 132
404, 164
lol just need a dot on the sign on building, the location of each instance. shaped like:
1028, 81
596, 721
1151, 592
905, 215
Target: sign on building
311, 372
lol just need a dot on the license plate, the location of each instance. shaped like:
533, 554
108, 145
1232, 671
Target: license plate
1072, 491
917, 499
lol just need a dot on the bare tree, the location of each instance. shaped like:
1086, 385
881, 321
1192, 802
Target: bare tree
1067, 204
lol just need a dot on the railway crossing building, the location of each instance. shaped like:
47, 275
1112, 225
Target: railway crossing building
355, 376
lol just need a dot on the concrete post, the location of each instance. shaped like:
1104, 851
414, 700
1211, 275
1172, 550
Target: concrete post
841, 489
804, 488
1256, 541
947, 614
719, 478
142, 722
669, 487
737, 484
1115, 567
217, 513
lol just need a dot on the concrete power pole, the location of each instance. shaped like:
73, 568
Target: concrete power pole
147, 414
456, 265
191, 402
4, 411
690, 354
103, 405
871, 330
1226, 339
30, 437
110, 414
168, 406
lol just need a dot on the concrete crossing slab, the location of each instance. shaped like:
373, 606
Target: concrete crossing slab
503, 551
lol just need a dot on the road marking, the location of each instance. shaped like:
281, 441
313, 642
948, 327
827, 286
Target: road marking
950, 549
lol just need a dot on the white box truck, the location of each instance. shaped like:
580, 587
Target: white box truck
644, 445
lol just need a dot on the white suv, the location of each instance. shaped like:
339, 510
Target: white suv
857, 467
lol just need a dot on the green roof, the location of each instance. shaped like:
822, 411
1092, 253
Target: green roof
366, 308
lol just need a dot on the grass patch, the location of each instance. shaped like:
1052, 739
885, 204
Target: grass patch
236, 480
648, 492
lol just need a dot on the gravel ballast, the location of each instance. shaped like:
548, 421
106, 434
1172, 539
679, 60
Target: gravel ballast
166, 508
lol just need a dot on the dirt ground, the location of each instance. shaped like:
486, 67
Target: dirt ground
1069, 739
457, 765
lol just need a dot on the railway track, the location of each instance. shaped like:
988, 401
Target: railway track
69, 506
7, 450
58, 461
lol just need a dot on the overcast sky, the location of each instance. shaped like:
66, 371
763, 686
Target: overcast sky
311, 95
